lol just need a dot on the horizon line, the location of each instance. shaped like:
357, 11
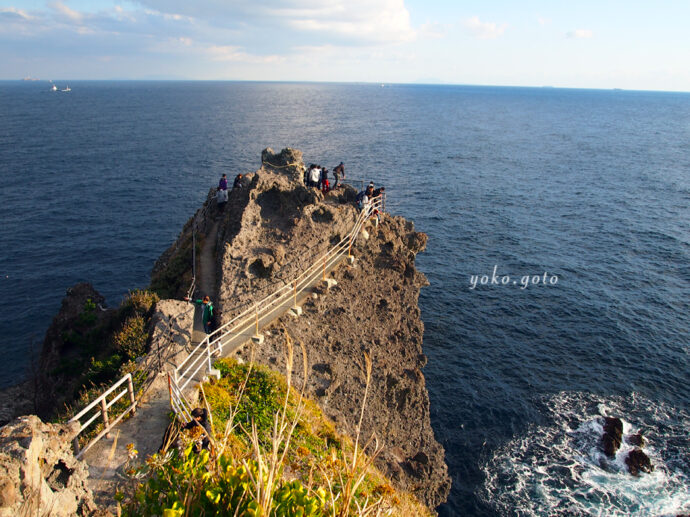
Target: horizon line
30, 79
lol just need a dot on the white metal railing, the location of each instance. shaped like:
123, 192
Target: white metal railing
100, 408
201, 356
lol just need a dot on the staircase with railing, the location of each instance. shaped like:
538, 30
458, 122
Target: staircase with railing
198, 365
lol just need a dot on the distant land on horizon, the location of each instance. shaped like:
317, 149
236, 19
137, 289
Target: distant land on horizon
420, 82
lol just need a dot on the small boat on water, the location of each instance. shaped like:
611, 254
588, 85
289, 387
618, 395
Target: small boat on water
54, 89
68, 89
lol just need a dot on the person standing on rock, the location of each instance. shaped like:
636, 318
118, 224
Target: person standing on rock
223, 183
315, 177
338, 174
238, 182
377, 192
207, 315
325, 187
362, 200
221, 199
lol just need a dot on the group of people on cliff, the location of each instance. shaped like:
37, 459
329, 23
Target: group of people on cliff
317, 176
222, 191
368, 196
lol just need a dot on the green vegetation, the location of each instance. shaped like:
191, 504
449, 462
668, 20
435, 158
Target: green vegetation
187, 483
126, 340
88, 315
273, 453
130, 340
104, 351
174, 279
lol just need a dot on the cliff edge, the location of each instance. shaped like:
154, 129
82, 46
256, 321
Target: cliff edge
275, 227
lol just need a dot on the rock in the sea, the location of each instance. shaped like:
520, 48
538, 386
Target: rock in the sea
613, 435
635, 439
39, 475
637, 461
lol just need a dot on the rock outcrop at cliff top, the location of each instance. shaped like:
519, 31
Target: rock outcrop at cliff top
373, 309
272, 229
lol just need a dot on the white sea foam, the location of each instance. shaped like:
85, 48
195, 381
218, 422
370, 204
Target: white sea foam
559, 468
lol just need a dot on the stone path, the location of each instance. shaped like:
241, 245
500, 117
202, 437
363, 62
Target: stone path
108, 458
206, 281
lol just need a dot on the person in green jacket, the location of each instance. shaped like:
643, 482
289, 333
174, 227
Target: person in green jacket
207, 316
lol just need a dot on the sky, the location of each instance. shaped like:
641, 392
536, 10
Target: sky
633, 44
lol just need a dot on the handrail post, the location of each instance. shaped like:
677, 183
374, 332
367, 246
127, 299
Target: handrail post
170, 392
104, 414
178, 401
130, 390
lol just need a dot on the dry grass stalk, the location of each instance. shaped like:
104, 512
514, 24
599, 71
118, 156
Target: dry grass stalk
357, 467
270, 464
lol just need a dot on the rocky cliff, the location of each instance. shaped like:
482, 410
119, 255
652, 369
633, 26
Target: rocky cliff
75, 336
272, 229
38, 472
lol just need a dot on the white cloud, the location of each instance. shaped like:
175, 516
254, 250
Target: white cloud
358, 21
484, 30
14, 12
376, 21
543, 21
66, 11
432, 30
580, 34
233, 53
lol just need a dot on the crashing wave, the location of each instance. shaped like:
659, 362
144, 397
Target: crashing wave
560, 468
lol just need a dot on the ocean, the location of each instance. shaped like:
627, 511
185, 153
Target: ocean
558, 254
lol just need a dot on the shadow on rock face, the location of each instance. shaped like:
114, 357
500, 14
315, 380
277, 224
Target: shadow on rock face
613, 434
322, 215
279, 208
262, 267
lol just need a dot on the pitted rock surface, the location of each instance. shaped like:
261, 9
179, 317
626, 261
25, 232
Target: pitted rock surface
39, 475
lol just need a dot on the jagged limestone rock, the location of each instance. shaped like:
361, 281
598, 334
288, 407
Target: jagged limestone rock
272, 230
39, 475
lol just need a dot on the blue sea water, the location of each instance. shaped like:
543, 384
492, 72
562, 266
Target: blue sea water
588, 190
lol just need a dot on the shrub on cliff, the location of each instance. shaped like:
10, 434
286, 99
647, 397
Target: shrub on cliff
273, 453
130, 340
139, 302
110, 353
187, 483
172, 278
